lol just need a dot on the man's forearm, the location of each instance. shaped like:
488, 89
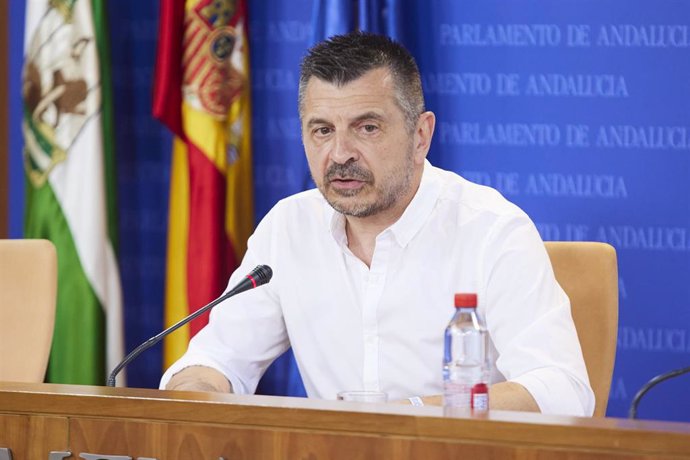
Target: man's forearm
199, 378
502, 396
511, 396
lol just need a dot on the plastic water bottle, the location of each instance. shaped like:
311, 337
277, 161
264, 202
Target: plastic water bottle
465, 362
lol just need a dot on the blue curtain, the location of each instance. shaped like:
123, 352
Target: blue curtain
334, 17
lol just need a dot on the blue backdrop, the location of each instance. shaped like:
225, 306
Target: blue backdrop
576, 110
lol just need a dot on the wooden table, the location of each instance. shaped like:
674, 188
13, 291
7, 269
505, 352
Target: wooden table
36, 419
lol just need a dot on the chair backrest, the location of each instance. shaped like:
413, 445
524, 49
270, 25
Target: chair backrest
588, 273
28, 295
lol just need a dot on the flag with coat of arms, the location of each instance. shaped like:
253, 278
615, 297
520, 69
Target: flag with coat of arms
201, 93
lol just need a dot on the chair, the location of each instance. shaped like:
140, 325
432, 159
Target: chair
28, 295
588, 273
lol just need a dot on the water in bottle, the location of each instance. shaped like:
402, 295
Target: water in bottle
465, 362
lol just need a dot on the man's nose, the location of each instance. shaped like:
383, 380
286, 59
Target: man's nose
344, 149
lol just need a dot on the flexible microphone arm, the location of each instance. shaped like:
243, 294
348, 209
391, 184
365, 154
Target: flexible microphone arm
648, 386
260, 275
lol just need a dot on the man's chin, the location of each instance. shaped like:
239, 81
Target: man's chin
348, 202
349, 207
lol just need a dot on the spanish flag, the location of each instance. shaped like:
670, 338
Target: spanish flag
201, 92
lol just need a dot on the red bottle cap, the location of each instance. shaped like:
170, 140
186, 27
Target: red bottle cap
480, 388
465, 300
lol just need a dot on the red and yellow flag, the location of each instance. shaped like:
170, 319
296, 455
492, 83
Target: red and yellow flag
202, 94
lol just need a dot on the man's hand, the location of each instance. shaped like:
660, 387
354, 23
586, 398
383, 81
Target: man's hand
199, 378
434, 400
502, 396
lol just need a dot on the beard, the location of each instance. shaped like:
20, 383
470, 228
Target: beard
354, 202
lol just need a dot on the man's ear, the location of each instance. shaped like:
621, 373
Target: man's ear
424, 131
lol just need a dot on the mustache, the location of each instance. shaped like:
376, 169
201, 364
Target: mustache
348, 170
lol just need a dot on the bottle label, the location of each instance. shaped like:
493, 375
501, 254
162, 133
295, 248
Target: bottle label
480, 397
457, 394
480, 402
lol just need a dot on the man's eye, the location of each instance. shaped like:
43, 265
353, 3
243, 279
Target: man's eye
323, 131
370, 128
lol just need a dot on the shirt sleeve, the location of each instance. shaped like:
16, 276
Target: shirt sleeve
246, 332
529, 320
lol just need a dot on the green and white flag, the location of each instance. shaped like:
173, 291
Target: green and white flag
68, 156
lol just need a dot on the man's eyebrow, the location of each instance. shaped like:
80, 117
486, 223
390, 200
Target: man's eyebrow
365, 116
369, 116
317, 121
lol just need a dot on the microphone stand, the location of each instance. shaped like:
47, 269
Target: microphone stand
632, 414
259, 276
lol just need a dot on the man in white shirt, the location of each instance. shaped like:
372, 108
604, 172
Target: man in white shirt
365, 267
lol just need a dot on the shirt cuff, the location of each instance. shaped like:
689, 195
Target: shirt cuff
189, 361
556, 393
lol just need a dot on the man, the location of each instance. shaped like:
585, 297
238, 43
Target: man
365, 267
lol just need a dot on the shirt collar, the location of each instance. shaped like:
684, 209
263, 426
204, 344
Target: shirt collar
419, 209
412, 219
337, 225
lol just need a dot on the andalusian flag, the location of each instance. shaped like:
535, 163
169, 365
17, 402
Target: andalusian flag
202, 95
70, 193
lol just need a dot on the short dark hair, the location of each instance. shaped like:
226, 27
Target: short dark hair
344, 58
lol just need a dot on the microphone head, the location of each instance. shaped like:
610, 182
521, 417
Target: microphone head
262, 274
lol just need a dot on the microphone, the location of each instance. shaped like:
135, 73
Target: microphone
260, 275
632, 413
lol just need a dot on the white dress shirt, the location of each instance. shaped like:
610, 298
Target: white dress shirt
381, 327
